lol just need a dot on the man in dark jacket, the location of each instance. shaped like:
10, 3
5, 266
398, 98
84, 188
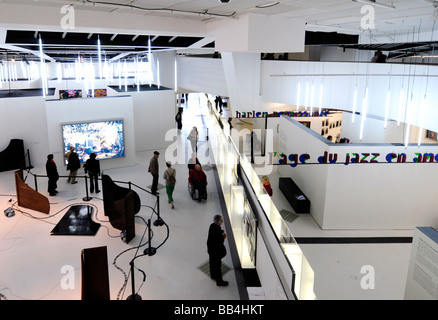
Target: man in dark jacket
154, 169
52, 174
216, 249
73, 165
92, 167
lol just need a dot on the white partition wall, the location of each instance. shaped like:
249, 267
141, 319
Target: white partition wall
25, 118
347, 195
416, 105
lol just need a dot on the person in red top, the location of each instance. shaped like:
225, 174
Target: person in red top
267, 185
198, 180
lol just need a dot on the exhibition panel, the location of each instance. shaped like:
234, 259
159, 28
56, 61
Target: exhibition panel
360, 186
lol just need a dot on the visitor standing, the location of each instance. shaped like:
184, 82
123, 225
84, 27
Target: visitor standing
170, 177
178, 119
52, 174
153, 169
216, 249
193, 138
92, 167
73, 165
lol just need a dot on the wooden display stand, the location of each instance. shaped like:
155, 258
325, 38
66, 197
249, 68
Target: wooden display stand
95, 276
28, 197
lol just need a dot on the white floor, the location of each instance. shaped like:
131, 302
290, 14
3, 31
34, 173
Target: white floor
338, 266
33, 262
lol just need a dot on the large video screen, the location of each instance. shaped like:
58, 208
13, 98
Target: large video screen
104, 138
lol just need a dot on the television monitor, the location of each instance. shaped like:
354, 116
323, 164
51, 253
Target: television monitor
104, 138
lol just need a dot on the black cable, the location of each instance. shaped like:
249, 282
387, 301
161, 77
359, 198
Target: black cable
123, 252
205, 12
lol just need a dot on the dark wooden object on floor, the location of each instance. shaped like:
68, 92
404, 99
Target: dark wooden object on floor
95, 276
120, 205
28, 197
297, 199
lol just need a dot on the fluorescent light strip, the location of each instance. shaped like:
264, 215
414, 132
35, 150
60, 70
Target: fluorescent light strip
420, 133
150, 62
43, 71
321, 90
298, 95
354, 105
307, 95
388, 101
59, 72
176, 76
364, 114
99, 57
377, 4
400, 105
158, 74
311, 98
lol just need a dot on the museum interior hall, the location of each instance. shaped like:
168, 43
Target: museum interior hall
314, 123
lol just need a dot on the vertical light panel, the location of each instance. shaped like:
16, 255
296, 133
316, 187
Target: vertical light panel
1, 74
158, 73
400, 107
421, 117
125, 72
363, 114
306, 98
176, 76
321, 92
59, 71
354, 105
43, 69
150, 61
312, 94
99, 57
388, 102
119, 71
408, 122
298, 94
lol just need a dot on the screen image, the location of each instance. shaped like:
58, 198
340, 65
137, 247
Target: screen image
68, 94
104, 138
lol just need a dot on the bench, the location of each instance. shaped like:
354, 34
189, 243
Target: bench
297, 199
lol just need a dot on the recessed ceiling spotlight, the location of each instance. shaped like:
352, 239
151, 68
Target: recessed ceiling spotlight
224, 1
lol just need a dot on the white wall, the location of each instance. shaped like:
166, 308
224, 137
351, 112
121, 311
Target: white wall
25, 118
361, 196
202, 75
279, 83
154, 114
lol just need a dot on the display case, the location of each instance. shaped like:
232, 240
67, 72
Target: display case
244, 224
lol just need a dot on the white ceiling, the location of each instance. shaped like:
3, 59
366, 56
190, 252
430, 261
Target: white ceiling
404, 24
321, 15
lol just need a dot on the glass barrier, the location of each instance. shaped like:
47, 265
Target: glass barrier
243, 222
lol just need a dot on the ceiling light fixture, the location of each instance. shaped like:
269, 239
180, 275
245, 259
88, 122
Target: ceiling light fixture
268, 5
377, 4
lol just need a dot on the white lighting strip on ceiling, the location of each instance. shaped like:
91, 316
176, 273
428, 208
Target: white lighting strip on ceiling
377, 4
